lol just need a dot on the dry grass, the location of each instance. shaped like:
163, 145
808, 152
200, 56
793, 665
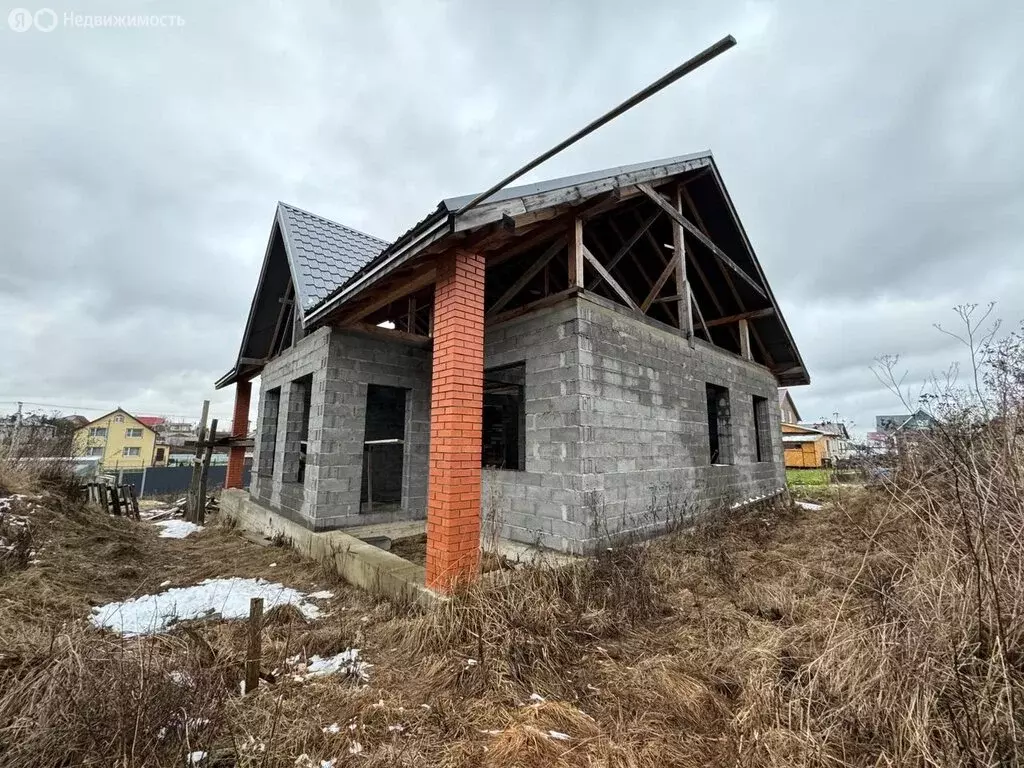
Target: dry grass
849, 636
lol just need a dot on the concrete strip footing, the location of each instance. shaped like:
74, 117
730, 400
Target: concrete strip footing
359, 563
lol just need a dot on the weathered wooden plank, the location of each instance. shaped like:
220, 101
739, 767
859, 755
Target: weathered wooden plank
704, 239
628, 244
752, 315
666, 273
527, 276
546, 301
391, 334
683, 306
745, 339
612, 282
576, 254
421, 279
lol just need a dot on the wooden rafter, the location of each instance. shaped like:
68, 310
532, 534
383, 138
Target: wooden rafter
692, 228
385, 295
286, 303
627, 245
666, 273
728, 281
556, 246
613, 284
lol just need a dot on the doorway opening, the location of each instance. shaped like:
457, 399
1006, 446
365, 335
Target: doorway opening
383, 450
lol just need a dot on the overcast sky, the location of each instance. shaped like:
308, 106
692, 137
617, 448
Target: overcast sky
874, 152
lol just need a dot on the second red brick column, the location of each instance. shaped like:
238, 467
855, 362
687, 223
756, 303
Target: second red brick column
456, 413
239, 428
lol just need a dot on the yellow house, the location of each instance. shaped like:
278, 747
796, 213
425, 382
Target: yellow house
803, 447
120, 440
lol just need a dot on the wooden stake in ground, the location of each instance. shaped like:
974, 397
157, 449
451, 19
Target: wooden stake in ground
193, 487
252, 657
204, 474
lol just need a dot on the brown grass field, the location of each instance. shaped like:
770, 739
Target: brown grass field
864, 634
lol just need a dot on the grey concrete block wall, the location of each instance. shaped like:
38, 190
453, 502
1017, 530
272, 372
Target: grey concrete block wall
356, 361
617, 433
278, 489
541, 503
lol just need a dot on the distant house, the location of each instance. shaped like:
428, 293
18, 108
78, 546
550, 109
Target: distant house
838, 444
120, 441
790, 415
917, 421
804, 447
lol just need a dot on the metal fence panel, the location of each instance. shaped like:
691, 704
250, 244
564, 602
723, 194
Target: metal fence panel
157, 481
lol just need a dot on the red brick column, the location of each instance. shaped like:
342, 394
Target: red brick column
239, 427
456, 413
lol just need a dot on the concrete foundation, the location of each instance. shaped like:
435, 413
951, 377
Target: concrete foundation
615, 439
359, 563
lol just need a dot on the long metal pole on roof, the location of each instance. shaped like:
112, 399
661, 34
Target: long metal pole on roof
685, 68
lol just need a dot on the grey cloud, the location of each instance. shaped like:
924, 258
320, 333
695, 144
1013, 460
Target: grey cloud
871, 150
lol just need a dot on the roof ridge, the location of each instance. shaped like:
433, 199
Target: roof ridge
332, 222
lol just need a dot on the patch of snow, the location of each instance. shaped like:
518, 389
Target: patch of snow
323, 594
809, 505
355, 748
228, 598
195, 758
166, 583
273, 565
176, 529
558, 735
537, 698
346, 663
332, 728
396, 728
327, 763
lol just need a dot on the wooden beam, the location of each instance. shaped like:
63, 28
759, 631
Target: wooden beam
683, 306
741, 316
527, 276
286, 303
418, 280
728, 280
252, 361
391, 334
745, 339
670, 268
700, 316
599, 268
576, 254
547, 301
678, 217
624, 248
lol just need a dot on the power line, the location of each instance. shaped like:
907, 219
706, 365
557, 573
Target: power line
78, 408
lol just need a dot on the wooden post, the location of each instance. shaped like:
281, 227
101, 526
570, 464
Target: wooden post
685, 313
576, 254
200, 517
252, 658
114, 501
193, 488
745, 339
134, 500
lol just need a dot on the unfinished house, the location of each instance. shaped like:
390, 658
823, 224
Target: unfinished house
566, 361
